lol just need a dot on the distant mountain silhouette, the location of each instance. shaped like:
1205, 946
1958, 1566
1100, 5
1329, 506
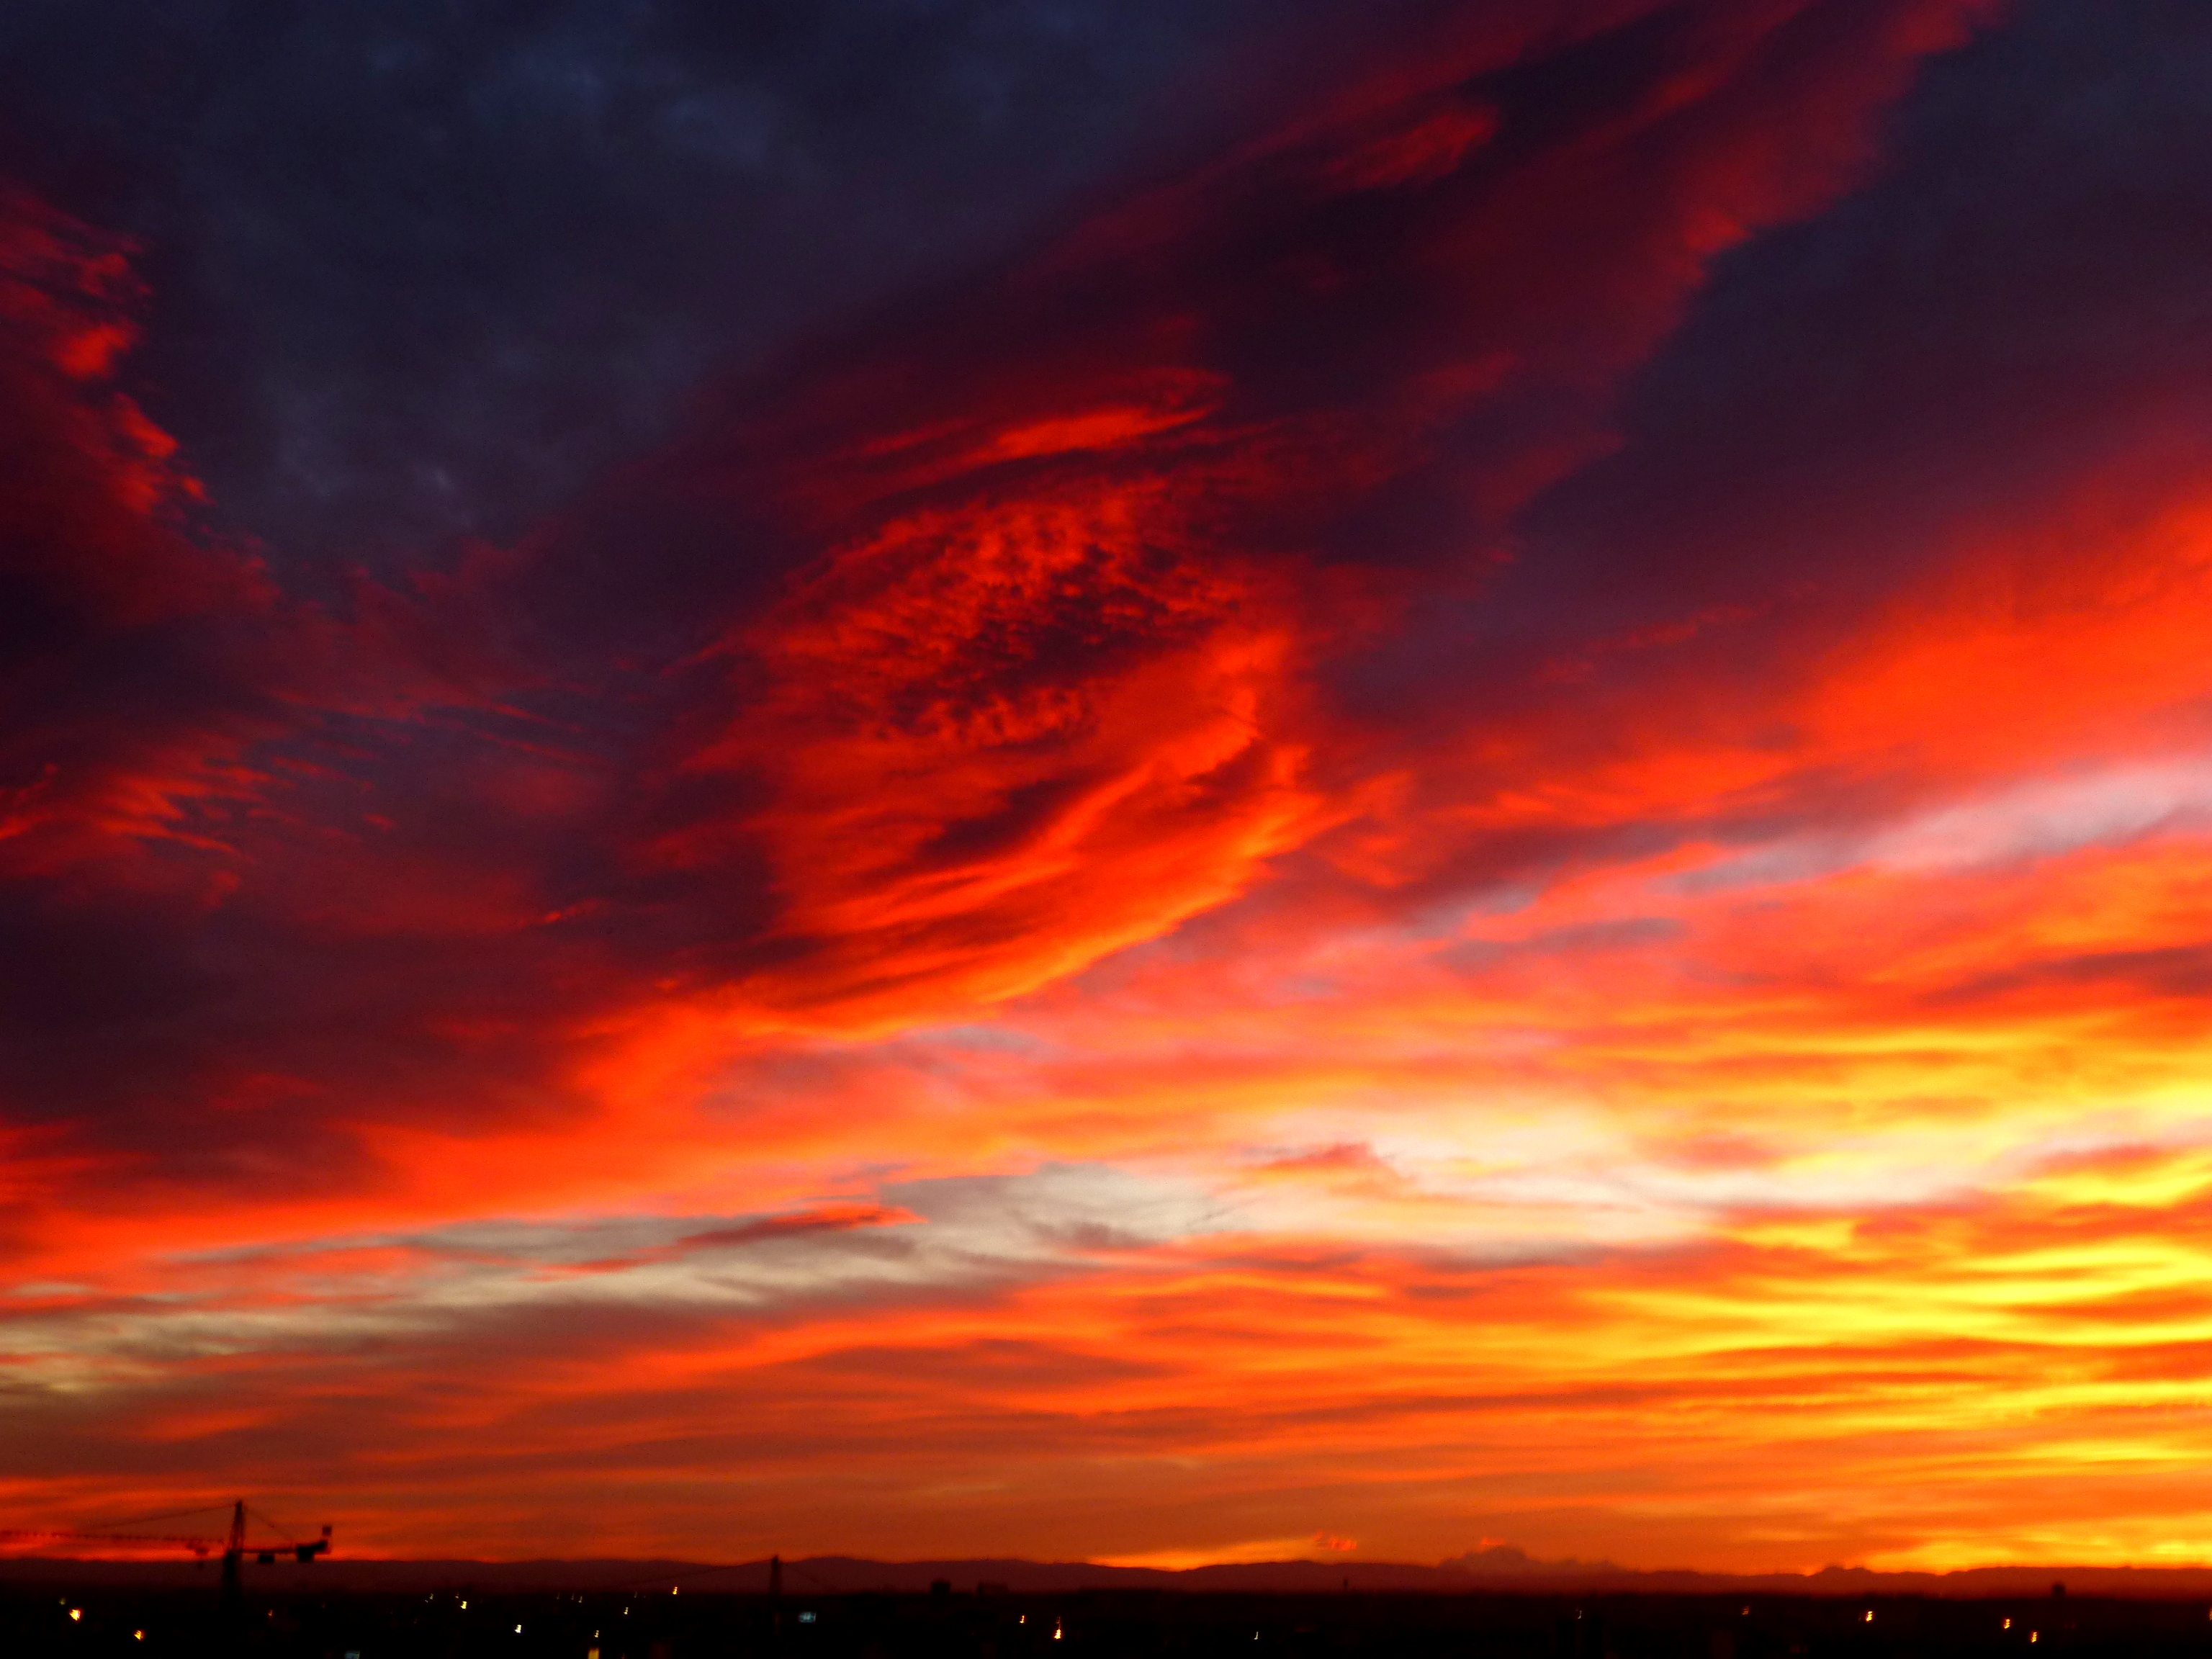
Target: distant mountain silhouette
1502, 1560
1491, 1570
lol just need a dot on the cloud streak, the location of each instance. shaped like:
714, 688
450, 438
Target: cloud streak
1469, 818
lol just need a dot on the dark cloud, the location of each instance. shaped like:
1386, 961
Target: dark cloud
421, 268
2012, 305
2003, 317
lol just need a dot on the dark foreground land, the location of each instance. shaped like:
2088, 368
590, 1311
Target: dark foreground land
58, 1619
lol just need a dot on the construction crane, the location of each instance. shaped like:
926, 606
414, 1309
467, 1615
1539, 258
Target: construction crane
231, 1542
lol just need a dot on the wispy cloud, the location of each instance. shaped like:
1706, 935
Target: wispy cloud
1475, 819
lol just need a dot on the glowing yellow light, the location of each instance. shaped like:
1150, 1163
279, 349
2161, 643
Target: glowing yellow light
1869, 1617
76, 1614
2008, 1623
138, 1635
2031, 1636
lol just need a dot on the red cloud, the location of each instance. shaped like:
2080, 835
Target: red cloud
822, 1218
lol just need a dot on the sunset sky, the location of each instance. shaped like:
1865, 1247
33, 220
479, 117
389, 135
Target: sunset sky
1153, 780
